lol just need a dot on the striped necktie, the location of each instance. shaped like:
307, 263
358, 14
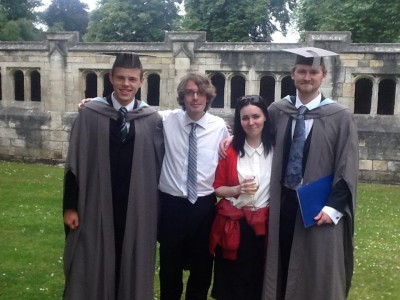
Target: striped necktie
122, 127
294, 170
192, 165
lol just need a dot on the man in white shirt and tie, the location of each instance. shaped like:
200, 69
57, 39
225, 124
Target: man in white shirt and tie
185, 222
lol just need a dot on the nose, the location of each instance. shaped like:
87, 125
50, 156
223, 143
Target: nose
307, 76
195, 95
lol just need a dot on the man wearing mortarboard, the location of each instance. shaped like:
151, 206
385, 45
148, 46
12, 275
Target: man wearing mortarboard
316, 262
110, 192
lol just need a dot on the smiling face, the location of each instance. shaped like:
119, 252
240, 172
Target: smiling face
252, 120
307, 81
194, 101
126, 82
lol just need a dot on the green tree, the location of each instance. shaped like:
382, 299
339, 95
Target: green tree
131, 20
237, 20
21, 9
68, 15
370, 21
17, 19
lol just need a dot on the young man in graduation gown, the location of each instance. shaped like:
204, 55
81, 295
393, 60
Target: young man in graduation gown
317, 262
110, 195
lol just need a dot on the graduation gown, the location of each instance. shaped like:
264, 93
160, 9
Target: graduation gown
321, 261
89, 256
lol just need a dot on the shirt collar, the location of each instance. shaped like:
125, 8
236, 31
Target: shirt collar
310, 105
250, 151
202, 122
117, 105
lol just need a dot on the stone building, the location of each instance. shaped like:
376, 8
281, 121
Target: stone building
42, 82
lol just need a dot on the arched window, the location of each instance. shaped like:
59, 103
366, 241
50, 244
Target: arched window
153, 89
288, 87
362, 96
36, 94
108, 88
267, 89
386, 97
218, 80
238, 89
19, 93
91, 85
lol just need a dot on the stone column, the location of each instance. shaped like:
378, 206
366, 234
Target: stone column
100, 83
397, 98
374, 97
278, 87
27, 86
58, 44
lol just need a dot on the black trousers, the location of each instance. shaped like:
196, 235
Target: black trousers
288, 214
184, 234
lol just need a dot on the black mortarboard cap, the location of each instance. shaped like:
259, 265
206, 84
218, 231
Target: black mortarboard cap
310, 56
126, 60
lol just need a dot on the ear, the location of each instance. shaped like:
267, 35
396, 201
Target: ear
292, 73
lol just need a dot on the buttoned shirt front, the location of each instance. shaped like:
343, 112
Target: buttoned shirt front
254, 163
210, 131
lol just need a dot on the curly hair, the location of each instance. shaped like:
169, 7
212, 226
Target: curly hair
203, 83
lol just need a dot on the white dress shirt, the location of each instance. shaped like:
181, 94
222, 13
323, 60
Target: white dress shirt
254, 163
117, 106
210, 131
334, 214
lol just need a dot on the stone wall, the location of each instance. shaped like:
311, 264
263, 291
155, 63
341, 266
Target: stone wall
38, 131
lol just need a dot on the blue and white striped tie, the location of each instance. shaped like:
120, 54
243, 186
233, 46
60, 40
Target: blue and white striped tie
123, 128
192, 165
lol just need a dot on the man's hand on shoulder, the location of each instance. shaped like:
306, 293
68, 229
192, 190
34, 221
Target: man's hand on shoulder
83, 102
223, 146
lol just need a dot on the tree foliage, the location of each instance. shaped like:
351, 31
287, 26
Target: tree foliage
20, 9
373, 21
238, 20
17, 20
68, 15
131, 20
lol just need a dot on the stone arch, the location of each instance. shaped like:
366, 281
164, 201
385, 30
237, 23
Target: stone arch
36, 94
90, 84
363, 95
153, 89
288, 87
238, 88
267, 88
19, 86
386, 96
218, 80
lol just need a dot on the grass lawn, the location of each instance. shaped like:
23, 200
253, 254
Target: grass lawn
32, 237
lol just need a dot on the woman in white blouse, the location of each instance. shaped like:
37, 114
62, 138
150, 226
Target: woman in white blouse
239, 234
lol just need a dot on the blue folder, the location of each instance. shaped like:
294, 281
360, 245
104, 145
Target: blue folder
312, 198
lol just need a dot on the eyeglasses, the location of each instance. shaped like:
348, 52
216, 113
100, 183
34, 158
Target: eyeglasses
191, 93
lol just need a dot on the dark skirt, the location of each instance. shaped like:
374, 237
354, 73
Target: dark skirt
241, 279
